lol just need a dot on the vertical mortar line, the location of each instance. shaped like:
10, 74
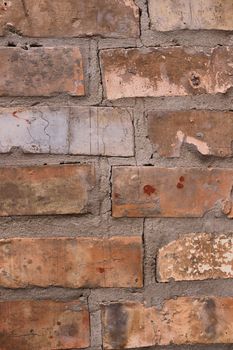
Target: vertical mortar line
111, 187
148, 17
89, 317
69, 117
144, 253
97, 130
100, 72
132, 117
90, 116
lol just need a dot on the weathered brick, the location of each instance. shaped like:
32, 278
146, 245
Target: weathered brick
70, 18
196, 257
184, 320
34, 130
102, 131
41, 71
171, 192
43, 325
173, 71
169, 15
46, 190
68, 130
71, 262
205, 130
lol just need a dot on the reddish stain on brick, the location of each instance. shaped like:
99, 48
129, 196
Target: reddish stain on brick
202, 190
180, 185
148, 189
101, 269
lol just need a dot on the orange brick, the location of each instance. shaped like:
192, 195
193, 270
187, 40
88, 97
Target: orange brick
46, 190
41, 71
205, 130
71, 262
170, 192
71, 18
43, 325
184, 320
173, 71
196, 257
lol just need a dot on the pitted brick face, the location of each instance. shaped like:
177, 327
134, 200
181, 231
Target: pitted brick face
174, 71
71, 18
42, 71
204, 130
181, 321
44, 325
177, 192
167, 15
196, 257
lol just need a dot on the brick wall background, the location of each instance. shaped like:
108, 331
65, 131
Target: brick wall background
116, 174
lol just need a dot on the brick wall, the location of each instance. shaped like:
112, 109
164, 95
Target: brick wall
116, 176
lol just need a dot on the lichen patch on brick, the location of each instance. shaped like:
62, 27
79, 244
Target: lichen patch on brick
196, 257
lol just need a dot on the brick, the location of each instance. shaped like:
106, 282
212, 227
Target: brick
184, 320
73, 130
46, 190
41, 71
205, 130
102, 131
71, 18
171, 192
167, 15
196, 257
173, 71
43, 325
34, 130
82, 262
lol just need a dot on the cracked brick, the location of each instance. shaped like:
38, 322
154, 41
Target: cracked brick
68, 130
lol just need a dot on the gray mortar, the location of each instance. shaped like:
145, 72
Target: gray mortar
155, 232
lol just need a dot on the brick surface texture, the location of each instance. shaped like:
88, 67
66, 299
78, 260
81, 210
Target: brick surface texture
44, 324
116, 175
86, 262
